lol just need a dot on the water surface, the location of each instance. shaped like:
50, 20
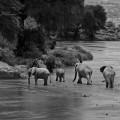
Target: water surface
65, 101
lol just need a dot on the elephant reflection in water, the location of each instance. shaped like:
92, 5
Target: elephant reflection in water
109, 75
83, 71
39, 73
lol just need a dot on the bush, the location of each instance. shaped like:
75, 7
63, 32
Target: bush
69, 56
7, 56
59, 53
79, 49
66, 57
34, 52
21, 61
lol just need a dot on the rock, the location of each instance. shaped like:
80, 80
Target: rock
9, 72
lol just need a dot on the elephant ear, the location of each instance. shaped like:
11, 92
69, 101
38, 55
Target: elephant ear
33, 70
102, 68
80, 61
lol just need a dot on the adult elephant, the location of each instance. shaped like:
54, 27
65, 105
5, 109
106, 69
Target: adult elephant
84, 71
60, 73
50, 63
39, 73
109, 75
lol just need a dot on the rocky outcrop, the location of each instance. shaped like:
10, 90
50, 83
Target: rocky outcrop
9, 72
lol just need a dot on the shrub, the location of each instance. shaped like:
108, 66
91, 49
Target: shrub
34, 52
59, 53
7, 55
66, 57
79, 49
69, 56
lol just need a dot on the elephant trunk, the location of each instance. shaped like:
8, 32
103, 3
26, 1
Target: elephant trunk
75, 75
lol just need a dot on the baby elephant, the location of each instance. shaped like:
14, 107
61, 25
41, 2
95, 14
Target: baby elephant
39, 73
60, 73
109, 74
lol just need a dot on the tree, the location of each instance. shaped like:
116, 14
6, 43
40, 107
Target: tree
94, 19
89, 23
9, 21
56, 14
100, 15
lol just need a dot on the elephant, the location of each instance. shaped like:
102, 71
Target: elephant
38, 63
60, 73
84, 71
50, 63
109, 75
39, 73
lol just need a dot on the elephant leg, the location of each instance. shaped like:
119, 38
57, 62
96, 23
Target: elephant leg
29, 80
111, 83
56, 77
29, 74
60, 79
89, 80
35, 79
64, 78
45, 81
106, 84
79, 81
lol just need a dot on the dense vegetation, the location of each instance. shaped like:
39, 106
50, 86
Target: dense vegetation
30, 28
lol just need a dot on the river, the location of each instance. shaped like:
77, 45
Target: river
66, 101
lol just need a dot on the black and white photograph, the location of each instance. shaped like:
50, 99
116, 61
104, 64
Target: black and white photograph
59, 59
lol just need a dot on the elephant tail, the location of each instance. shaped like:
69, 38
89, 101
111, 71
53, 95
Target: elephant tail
75, 74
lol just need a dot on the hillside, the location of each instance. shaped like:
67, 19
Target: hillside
112, 8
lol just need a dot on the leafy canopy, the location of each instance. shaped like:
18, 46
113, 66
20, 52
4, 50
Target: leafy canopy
9, 21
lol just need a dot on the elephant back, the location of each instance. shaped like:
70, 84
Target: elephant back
60, 71
108, 71
84, 67
42, 70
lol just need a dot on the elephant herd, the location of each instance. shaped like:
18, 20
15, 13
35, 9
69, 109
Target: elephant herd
83, 71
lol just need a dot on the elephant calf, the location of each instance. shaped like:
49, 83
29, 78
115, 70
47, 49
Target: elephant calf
60, 73
39, 73
109, 74
83, 71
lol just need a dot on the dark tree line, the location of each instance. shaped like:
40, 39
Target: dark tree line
44, 17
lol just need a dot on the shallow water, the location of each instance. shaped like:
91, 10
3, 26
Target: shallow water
66, 101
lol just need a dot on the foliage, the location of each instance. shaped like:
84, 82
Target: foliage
30, 23
7, 55
56, 15
100, 15
110, 24
69, 57
94, 19
89, 23
9, 20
